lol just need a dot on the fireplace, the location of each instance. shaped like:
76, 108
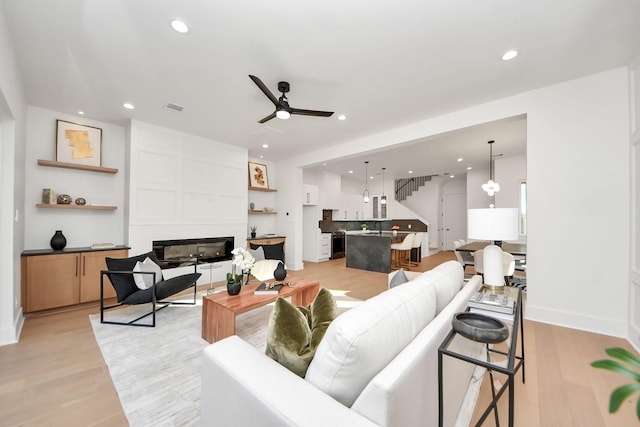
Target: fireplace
206, 250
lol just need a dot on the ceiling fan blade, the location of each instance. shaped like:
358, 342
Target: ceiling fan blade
311, 112
269, 117
264, 89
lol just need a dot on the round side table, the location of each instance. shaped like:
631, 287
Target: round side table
210, 267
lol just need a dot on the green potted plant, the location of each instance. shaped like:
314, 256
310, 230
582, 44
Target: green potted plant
253, 231
629, 368
363, 226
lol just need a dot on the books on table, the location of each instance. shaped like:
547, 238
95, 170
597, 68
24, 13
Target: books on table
502, 316
498, 303
268, 289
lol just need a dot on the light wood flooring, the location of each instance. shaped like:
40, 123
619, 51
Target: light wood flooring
56, 375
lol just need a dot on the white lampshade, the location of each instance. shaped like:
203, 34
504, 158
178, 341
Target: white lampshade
493, 224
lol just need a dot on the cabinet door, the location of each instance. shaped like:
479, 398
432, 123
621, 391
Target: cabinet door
52, 281
90, 266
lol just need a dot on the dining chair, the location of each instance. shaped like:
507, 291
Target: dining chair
465, 258
399, 252
417, 245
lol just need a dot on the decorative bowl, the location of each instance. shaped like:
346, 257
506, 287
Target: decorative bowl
64, 199
480, 328
268, 209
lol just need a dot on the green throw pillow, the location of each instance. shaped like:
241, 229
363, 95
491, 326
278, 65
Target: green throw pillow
295, 332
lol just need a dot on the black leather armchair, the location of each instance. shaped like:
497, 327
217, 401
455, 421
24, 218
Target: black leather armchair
121, 275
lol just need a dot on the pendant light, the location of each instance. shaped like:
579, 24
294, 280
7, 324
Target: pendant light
383, 199
365, 193
490, 186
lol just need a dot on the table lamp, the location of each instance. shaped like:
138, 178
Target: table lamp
495, 224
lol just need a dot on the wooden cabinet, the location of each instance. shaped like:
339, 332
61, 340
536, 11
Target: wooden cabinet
267, 240
61, 279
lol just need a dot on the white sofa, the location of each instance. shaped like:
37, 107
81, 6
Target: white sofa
376, 366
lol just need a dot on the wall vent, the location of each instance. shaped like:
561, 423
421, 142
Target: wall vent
174, 107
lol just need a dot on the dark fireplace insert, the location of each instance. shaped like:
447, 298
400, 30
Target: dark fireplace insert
206, 250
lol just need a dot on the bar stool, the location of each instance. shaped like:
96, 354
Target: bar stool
404, 247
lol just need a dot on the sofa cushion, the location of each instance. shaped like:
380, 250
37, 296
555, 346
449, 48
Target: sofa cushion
295, 332
361, 341
447, 279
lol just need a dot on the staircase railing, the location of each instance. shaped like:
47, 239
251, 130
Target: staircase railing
406, 186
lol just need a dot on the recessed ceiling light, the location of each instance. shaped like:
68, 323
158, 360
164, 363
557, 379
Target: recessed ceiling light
469, 168
370, 177
350, 171
410, 172
265, 145
128, 106
81, 113
460, 159
342, 117
324, 164
509, 55
452, 176
261, 156
179, 26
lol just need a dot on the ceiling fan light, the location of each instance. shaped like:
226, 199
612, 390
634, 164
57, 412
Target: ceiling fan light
283, 114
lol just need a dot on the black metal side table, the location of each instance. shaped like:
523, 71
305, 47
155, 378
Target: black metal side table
501, 358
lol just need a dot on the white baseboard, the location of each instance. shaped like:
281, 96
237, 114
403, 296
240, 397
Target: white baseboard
599, 325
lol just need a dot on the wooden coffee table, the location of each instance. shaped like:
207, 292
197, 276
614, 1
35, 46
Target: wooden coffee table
219, 310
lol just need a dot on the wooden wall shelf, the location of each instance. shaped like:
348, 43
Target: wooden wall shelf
261, 213
64, 165
268, 190
89, 207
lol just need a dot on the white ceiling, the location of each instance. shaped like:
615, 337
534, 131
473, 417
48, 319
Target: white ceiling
382, 64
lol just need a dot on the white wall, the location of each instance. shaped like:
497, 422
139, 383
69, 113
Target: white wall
80, 227
182, 186
12, 143
577, 133
634, 282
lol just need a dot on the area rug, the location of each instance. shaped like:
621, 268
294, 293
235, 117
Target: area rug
157, 371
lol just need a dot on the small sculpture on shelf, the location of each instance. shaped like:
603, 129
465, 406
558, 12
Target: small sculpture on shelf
80, 201
64, 199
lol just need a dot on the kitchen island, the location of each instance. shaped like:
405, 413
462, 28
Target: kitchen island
370, 250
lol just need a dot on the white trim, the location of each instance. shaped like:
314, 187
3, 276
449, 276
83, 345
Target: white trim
596, 324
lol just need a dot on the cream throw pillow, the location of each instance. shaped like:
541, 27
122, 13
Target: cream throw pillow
145, 281
263, 270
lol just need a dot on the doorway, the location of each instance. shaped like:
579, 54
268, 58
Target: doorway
455, 219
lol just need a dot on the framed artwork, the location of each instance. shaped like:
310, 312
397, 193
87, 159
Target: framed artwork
258, 175
79, 144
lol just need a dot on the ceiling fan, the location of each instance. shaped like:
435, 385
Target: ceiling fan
283, 110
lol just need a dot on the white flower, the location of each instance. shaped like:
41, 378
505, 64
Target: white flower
243, 259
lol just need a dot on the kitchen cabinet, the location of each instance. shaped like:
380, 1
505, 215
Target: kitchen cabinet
61, 278
311, 193
324, 247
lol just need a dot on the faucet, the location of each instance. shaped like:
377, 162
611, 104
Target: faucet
380, 224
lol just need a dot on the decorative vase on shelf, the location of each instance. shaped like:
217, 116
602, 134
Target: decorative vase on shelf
280, 272
253, 234
58, 241
394, 232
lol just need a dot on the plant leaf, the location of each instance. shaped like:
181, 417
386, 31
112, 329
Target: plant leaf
617, 367
619, 395
624, 355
